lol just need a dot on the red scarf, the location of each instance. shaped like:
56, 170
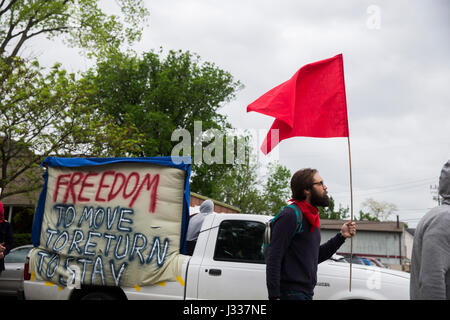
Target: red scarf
310, 212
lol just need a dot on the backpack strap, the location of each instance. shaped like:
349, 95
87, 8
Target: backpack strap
299, 215
269, 224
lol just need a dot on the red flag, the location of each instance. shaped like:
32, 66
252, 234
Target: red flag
310, 104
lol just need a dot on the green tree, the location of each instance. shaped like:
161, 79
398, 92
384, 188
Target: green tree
42, 115
330, 212
239, 185
80, 23
377, 210
277, 188
45, 112
233, 154
364, 216
242, 185
158, 93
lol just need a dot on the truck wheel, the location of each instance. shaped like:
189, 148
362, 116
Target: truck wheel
98, 295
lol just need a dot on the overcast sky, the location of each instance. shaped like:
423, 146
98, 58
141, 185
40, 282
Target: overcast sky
397, 75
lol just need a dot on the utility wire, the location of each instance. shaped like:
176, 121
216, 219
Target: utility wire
393, 187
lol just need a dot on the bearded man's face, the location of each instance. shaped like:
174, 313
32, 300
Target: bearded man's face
319, 194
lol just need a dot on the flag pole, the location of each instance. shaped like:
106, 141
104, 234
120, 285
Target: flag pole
351, 209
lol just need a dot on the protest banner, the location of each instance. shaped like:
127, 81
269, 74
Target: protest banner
111, 221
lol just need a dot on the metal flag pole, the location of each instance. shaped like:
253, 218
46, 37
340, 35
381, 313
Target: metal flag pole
351, 210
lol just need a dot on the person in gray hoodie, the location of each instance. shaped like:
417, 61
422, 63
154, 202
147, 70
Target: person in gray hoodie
195, 224
430, 261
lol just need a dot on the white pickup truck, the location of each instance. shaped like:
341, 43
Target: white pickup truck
228, 264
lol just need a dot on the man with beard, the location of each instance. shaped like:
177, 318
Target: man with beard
291, 264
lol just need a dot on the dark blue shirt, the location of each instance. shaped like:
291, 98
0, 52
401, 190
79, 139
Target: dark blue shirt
292, 261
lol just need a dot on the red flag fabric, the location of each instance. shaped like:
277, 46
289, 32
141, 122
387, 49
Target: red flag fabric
310, 104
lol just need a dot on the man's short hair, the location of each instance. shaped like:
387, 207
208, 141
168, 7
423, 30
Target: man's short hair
302, 180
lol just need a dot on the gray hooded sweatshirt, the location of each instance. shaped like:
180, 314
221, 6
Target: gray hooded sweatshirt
430, 262
195, 223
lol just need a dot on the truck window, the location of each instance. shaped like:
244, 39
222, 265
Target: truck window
240, 241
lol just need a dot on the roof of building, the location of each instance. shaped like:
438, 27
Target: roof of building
223, 204
28, 199
378, 226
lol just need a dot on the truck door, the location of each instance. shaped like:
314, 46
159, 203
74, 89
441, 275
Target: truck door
233, 266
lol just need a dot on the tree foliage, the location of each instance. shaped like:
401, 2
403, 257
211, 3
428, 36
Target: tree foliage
80, 23
158, 94
277, 187
45, 114
365, 216
376, 210
237, 184
242, 186
330, 212
128, 105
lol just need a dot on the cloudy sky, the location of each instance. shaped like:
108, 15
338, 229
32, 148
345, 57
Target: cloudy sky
397, 76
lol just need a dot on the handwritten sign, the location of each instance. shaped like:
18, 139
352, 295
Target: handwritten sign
113, 223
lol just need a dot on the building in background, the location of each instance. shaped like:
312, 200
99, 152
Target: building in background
386, 241
19, 210
219, 207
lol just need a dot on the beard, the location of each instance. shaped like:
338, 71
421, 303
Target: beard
318, 200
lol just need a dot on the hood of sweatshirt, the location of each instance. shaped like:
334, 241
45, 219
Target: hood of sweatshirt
207, 206
444, 183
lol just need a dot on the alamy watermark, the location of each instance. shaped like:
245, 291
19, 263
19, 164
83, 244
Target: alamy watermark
373, 21
214, 146
373, 281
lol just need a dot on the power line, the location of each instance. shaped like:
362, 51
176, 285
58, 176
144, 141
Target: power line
412, 219
402, 183
393, 187
414, 209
